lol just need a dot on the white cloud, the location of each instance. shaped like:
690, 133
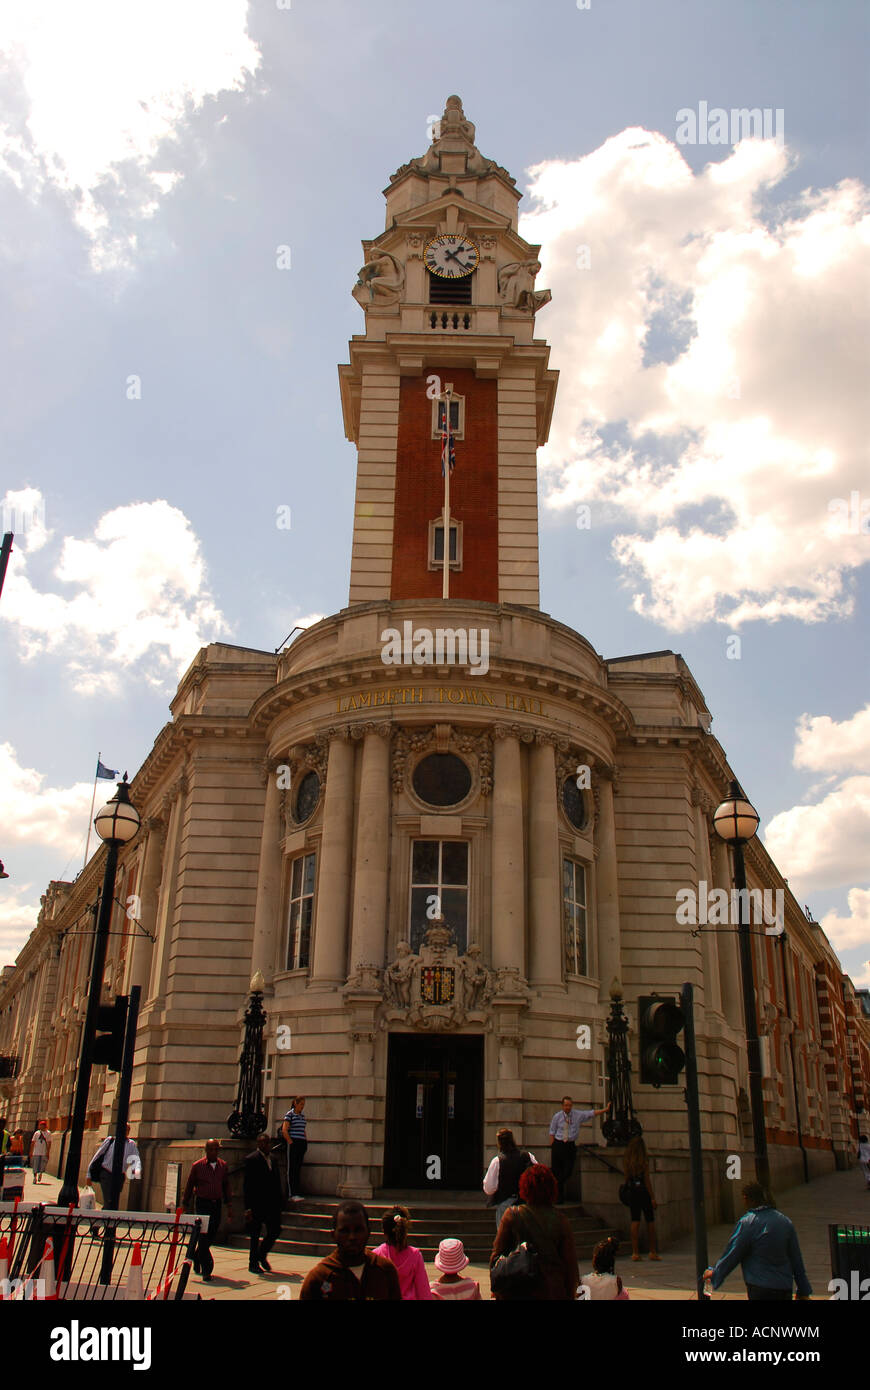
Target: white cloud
824, 845
17, 920
712, 374
23, 513
139, 598
825, 745
34, 814
846, 933
104, 85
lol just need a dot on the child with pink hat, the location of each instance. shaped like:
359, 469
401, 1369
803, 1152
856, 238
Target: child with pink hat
451, 1258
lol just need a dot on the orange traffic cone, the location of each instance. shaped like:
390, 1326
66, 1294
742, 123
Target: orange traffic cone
135, 1288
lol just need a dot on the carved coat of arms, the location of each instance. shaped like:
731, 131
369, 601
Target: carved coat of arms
437, 989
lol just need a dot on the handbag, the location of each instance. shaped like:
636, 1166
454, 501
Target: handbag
518, 1273
625, 1194
515, 1275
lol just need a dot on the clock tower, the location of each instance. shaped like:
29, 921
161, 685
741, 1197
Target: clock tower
448, 291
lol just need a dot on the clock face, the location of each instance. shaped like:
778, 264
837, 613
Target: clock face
451, 256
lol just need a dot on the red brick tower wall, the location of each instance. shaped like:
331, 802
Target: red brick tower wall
473, 490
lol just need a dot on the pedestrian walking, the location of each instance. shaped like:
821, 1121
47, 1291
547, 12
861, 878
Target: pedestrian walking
554, 1274
293, 1130
602, 1283
451, 1259
764, 1242
407, 1258
564, 1128
501, 1182
16, 1143
100, 1166
638, 1196
40, 1150
208, 1186
351, 1271
264, 1198
864, 1157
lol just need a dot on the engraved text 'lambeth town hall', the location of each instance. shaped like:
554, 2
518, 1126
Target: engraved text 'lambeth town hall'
438, 695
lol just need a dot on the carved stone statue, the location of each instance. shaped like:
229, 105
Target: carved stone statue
516, 286
399, 976
380, 281
476, 979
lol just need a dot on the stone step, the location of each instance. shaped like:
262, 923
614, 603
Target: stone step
306, 1227
478, 1250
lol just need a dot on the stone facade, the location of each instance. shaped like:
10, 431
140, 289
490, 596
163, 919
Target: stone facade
293, 823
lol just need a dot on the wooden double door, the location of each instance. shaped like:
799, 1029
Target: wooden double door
434, 1114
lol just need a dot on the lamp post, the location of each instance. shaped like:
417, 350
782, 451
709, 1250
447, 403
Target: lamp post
736, 821
116, 823
622, 1123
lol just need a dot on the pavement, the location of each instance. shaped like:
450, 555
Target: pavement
838, 1198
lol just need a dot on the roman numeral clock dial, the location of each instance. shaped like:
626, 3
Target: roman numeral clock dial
451, 256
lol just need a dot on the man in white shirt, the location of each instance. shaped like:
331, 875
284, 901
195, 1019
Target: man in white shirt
564, 1129
100, 1166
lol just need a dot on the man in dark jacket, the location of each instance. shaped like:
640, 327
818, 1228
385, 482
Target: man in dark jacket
351, 1271
263, 1201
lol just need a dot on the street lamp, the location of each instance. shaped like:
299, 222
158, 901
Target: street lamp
116, 823
736, 821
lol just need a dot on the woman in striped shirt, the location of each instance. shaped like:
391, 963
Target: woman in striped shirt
293, 1130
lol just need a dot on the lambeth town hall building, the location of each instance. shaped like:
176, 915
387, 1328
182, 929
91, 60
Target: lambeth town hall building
442, 830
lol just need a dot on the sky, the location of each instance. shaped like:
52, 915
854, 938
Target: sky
183, 192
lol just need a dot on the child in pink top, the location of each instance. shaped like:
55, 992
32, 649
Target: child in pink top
407, 1258
451, 1258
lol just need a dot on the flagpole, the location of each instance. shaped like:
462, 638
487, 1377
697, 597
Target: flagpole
91, 816
445, 468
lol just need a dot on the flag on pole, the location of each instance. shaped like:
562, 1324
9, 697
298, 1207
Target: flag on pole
448, 452
106, 772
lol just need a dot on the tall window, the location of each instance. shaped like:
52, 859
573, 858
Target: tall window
574, 911
301, 912
439, 881
436, 544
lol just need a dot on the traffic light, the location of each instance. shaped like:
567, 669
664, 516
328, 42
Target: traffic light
108, 1047
661, 1057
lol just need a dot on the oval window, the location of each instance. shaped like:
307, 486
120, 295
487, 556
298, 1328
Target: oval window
442, 779
307, 797
574, 804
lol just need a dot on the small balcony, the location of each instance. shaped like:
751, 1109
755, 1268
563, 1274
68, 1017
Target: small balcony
450, 320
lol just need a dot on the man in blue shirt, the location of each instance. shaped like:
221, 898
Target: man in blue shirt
765, 1243
564, 1128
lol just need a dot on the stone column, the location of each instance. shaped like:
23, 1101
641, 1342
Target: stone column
508, 857
726, 941
368, 932
142, 949
712, 998
607, 886
329, 963
265, 947
173, 813
545, 896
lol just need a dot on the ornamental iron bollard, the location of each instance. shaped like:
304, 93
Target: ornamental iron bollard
622, 1123
248, 1119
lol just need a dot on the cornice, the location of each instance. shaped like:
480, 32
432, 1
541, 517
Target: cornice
517, 675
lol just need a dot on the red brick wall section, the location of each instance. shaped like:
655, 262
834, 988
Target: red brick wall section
473, 490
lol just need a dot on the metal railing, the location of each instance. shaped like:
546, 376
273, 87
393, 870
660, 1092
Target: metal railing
96, 1254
